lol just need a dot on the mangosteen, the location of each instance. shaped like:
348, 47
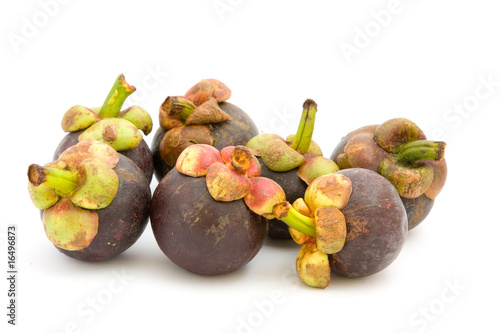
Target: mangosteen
351, 222
107, 124
201, 116
398, 150
293, 163
207, 212
95, 202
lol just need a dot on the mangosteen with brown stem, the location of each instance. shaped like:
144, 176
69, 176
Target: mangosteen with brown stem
118, 129
398, 150
351, 222
293, 163
207, 212
201, 116
95, 202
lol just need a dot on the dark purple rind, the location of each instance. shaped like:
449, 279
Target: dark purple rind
124, 220
140, 155
161, 168
200, 234
236, 132
417, 209
294, 188
377, 226
339, 149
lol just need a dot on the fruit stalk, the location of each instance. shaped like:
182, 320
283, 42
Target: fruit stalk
285, 212
241, 158
302, 139
60, 180
413, 152
116, 97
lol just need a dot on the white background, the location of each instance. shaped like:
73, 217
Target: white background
425, 61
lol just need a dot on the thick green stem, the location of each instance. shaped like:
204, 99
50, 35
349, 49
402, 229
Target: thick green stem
413, 152
283, 211
116, 97
183, 108
302, 139
61, 180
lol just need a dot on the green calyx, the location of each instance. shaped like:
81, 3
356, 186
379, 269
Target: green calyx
406, 169
410, 182
70, 227
280, 157
71, 188
139, 117
315, 167
120, 134
283, 155
79, 118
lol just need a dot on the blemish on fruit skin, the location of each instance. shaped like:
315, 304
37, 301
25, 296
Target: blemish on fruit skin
196, 220
219, 231
356, 228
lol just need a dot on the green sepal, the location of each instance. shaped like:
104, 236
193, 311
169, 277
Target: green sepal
42, 196
259, 142
279, 157
74, 155
119, 134
78, 118
98, 185
70, 227
313, 266
315, 167
410, 182
139, 117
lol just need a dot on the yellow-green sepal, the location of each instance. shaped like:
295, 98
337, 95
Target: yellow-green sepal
78, 118
42, 196
118, 133
98, 185
139, 117
70, 227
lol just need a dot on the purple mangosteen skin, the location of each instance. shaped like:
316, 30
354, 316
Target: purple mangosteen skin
236, 132
377, 225
200, 234
124, 220
140, 155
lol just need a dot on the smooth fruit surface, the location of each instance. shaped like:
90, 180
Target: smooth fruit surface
376, 225
200, 234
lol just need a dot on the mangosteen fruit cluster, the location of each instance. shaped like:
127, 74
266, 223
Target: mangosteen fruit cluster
223, 188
